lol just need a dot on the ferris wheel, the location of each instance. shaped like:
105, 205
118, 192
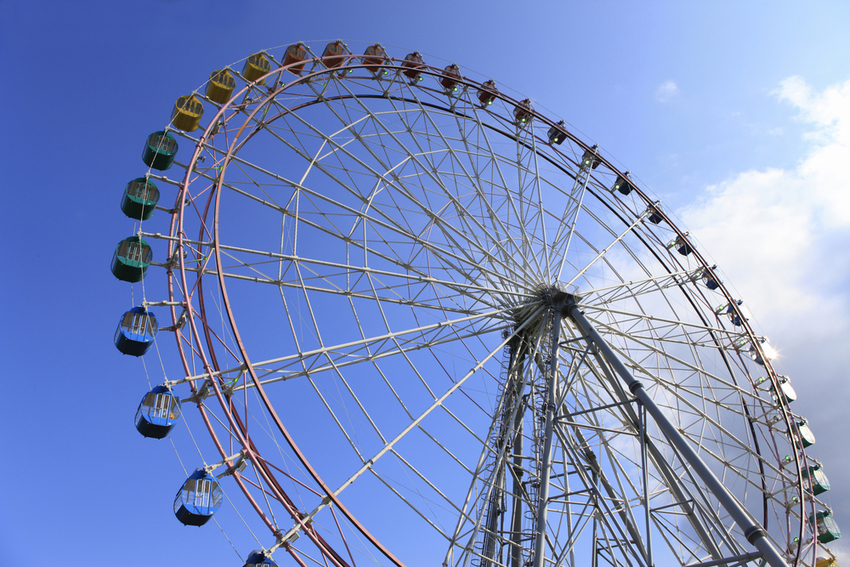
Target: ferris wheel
424, 323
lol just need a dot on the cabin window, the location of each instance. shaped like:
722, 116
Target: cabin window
259, 61
163, 142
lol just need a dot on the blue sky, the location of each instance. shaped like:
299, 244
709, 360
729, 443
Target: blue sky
736, 115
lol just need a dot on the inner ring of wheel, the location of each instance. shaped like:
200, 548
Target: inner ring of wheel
212, 366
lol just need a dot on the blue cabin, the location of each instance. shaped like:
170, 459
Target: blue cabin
136, 331
258, 559
766, 349
198, 499
160, 149
737, 313
710, 278
158, 412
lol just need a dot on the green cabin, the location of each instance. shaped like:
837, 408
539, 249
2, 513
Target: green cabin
817, 479
140, 198
160, 149
826, 527
806, 435
131, 259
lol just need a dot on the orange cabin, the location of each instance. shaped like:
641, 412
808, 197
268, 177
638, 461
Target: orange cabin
374, 56
295, 56
334, 55
220, 86
412, 66
487, 93
256, 66
451, 77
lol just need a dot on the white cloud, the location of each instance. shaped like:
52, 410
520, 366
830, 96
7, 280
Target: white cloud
666, 91
783, 238
779, 232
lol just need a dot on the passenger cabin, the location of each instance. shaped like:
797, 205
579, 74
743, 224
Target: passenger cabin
825, 526
220, 86
681, 244
710, 278
623, 184
818, 483
523, 113
654, 215
786, 391
131, 259
450, 78
591, 158
258, 559
187, 112
136, 332
295, 56
412, 66
334, 55
374, 57
487, 93
158, 413
737, 312
807, 438
826, 562
140, 198
761, 350
198, 499
558, 133
256, 66
160, 149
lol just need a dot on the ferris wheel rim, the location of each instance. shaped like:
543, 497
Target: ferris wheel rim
216, 246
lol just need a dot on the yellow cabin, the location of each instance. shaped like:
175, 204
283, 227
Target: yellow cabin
826, 562
221, 85
295, 56
256, 66
187, 113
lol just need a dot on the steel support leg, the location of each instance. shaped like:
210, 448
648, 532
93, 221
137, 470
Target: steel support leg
752, 530
546, 457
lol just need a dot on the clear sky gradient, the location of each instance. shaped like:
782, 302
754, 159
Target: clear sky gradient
735, 114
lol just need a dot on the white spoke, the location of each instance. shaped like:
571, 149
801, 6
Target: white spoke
372, 273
